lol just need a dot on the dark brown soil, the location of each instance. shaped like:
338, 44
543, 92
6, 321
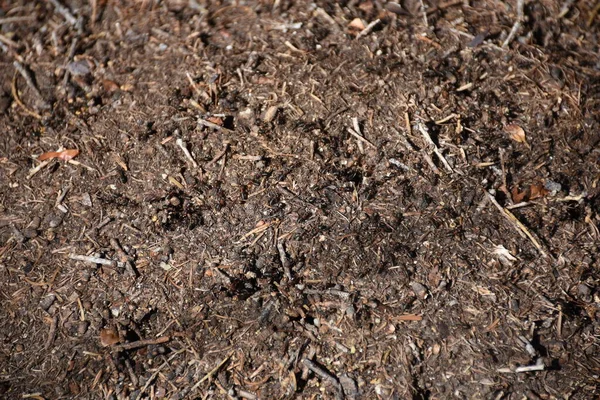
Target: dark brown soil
378, 203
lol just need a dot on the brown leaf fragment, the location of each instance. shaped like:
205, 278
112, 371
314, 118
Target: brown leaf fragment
110, 86
532, 192
64, 155
108, 337
517, 196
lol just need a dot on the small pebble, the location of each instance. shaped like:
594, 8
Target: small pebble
552, 187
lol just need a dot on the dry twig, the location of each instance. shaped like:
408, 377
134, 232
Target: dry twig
325, 375
368, 28
64, 11
432, 145
523, 231
93, 260
517, 24
211, 372
187, 153
140, 343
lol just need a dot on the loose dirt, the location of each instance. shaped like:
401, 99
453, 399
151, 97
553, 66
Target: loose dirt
291, 199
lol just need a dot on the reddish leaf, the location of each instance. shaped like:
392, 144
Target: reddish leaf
536, 191
518, 196
530, 193
64, 155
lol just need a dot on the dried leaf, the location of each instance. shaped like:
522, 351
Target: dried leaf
64, 155
516, 133
531, 193
108, 337
517, 196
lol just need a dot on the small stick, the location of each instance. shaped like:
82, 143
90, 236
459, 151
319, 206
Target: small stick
356, 133
93, 260
523, 231
334, 292
219, 156
103, 223
324, 374
186, 152
62, 10
564, 10
15, 94
285, 262
209, 124
149, 381
7, 42
132, 376
94, 11
246, 394
517, 24
140, 343
319, 11
29, 79
37, 168
125, 259
69, 58
430, 162
51, 332
501, 153
424, 11
211, 372
368, 28
593, 15
538, 366
518, 205
559, 321
61, 195
431, 144
17, 19
529, 368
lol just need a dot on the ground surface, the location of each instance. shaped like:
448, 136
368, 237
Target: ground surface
403, 210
